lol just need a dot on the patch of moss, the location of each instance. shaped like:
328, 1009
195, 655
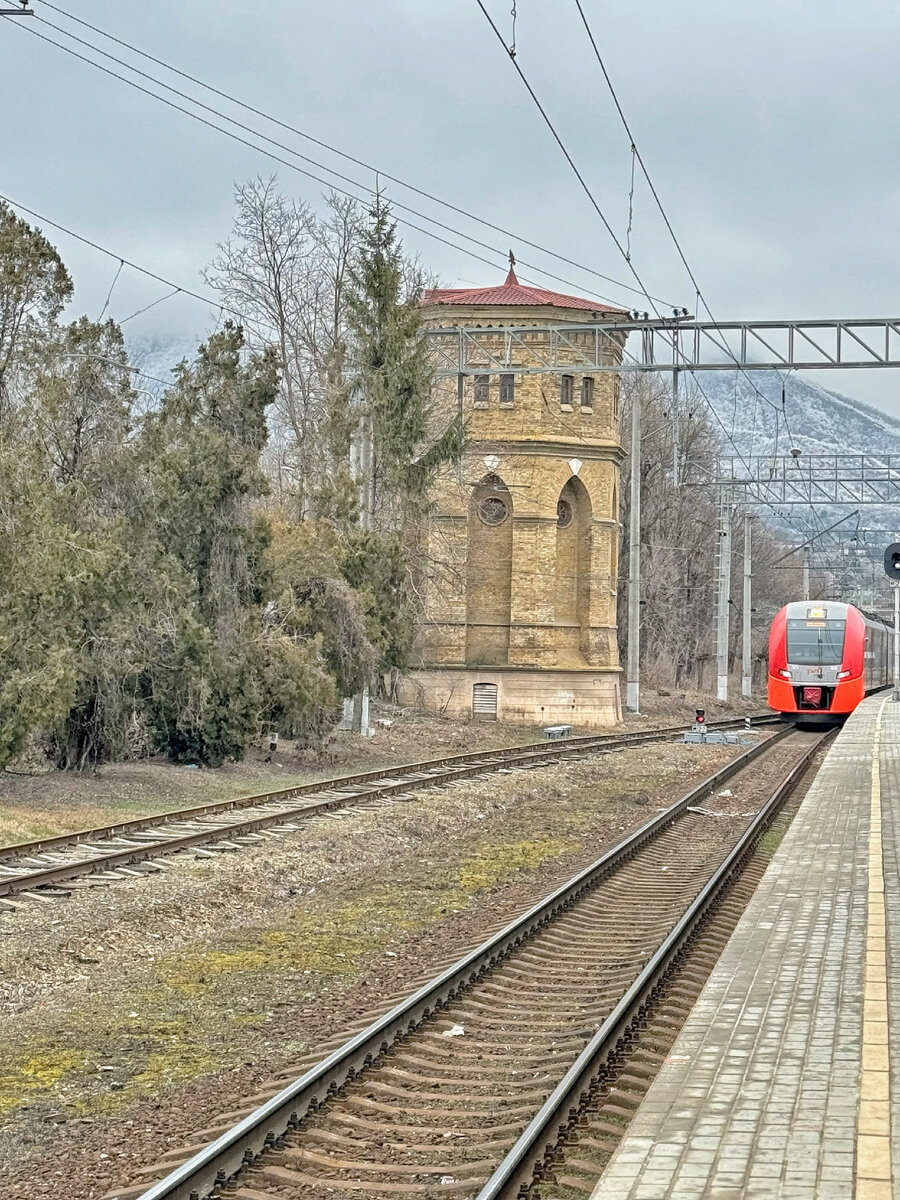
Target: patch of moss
179, 1062
324, 942
194, 1007
769, 842
495, 862
37, 1072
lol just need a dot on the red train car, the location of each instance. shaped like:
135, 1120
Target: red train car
824, 658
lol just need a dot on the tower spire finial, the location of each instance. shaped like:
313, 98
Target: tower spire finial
511, 277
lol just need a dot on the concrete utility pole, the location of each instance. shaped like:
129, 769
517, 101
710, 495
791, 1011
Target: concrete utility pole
723, 592
806, 576
633, 665
746, 646
676, 460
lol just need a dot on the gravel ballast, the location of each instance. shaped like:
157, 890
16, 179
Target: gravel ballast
133, 1015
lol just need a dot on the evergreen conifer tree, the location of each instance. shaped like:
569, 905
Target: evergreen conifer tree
392, 378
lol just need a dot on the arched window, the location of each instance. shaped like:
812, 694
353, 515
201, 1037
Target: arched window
574, 534
489, 573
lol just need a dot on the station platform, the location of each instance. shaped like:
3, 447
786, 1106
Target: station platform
785, 1080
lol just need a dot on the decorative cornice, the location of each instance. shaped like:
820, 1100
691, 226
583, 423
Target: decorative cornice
532, 447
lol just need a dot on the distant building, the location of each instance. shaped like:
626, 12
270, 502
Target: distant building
522, 542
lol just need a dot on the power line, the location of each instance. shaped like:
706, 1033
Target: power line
625, 254
176, 288
287, 149
636, 154
293, 166
120, 258
334, 150
120, 366
243, 141
569, 159
147, 307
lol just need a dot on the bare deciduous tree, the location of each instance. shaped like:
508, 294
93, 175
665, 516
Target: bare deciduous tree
285, 271
678, 544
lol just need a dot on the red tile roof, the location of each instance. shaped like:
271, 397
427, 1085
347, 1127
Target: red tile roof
512, 293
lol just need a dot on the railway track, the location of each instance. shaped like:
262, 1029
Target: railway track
35, 869
466, 1087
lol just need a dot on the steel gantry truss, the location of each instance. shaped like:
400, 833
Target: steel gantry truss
810, 479
667, 344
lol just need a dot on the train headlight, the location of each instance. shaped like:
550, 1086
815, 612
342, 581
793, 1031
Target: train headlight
844, 674
784, 673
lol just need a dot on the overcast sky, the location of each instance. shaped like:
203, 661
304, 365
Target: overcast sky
770, 130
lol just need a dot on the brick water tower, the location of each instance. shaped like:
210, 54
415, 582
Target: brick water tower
521, 544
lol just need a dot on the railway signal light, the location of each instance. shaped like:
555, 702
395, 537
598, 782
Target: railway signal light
701, 716
892, 561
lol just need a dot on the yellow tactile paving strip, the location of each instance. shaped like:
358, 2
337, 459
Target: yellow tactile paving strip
873, 1139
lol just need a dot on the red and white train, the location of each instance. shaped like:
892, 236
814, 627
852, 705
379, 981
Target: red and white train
824, 658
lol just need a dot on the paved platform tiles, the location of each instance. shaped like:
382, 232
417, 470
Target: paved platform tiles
783, 1084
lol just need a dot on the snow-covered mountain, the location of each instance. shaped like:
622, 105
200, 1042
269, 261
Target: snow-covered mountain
812, 419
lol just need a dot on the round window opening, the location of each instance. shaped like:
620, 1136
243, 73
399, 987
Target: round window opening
563, 514
493, 510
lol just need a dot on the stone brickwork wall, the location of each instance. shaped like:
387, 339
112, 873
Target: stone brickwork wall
532, 589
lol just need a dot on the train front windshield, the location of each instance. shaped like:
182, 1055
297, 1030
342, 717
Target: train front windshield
815, 643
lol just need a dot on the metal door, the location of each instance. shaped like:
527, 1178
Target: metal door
484, 701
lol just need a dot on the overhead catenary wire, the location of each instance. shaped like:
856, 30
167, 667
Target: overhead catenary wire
326, 182
118, 365
425, 194
721, 342
86, 241
216, 304
111, 290
701, 299
176, 288
430, 233
139, 312
595, 205
570, 160
655, 194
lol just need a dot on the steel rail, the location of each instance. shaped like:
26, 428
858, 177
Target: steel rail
390, 782
562, 747
539, 1141
216, 1163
